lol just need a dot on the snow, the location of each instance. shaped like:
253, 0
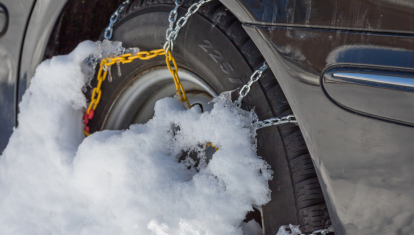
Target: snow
55, 181
252, 228
289, 230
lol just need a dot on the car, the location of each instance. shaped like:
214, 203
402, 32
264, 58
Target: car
344, 68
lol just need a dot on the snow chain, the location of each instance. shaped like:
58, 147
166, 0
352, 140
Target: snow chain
124, 59
114, 19
268, 122
171, 35
106, 64
246, 88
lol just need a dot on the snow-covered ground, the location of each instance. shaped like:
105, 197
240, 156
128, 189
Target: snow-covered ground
55, 181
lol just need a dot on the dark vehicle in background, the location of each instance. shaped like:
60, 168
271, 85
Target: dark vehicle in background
344, 66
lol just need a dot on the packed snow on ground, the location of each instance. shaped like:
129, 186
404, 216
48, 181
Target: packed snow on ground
55, 181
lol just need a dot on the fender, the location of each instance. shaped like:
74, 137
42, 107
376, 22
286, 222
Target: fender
359, 158
360, 15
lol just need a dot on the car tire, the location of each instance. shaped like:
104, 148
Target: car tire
214, 46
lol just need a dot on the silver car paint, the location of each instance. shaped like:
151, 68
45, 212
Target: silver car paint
10, 49
42, 21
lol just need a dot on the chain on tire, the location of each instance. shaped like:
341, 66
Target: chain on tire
171, 35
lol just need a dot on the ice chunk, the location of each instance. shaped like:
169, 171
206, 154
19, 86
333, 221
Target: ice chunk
102, 50
106, 49
132, 50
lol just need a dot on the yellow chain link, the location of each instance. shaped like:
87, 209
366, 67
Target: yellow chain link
128, 58
174, 72
211, 145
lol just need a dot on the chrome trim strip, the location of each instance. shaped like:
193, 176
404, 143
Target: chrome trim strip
385, 81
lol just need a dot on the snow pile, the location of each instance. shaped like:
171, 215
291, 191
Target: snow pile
289, 230
53, 181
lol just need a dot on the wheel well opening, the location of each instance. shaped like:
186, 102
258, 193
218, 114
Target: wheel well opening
79, 20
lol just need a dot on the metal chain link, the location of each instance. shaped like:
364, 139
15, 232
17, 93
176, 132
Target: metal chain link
173, 33
114, 18
104, 69
173, 16
275, 122
178, 86
246, 88
317, 232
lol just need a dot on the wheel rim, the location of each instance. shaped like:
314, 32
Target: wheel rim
136, 102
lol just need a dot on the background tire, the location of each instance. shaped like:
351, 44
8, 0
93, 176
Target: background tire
214, 46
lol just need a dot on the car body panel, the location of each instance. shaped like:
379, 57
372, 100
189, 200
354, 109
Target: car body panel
10, 49
363, 163
366, 15
363, 157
